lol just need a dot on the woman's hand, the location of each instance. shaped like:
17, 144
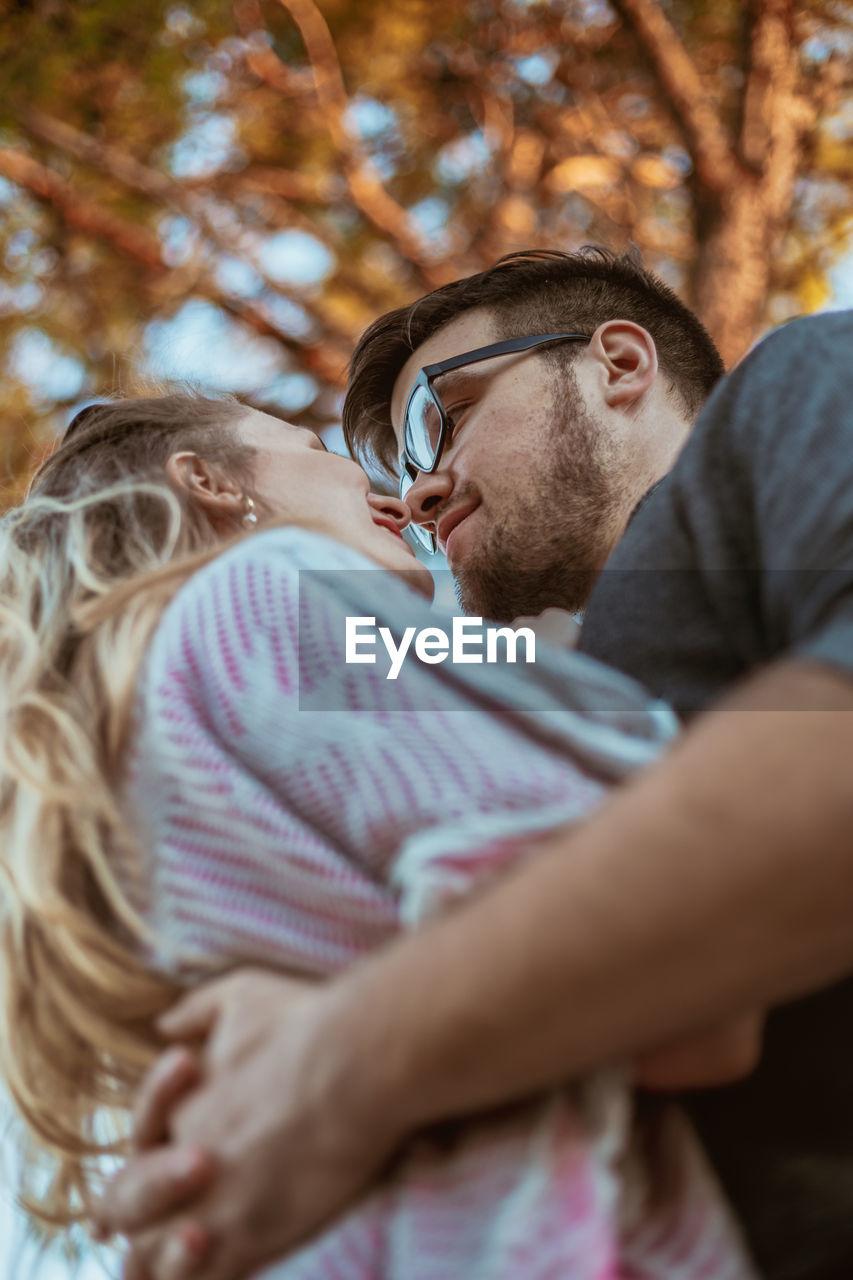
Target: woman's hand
265, 1149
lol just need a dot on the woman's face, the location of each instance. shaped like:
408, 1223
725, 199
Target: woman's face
295, 477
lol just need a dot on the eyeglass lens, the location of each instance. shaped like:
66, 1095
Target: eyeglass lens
416, 532
423, 428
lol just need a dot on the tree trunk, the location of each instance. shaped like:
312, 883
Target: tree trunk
733, 268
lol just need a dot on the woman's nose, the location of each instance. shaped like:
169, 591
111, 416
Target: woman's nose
394, 508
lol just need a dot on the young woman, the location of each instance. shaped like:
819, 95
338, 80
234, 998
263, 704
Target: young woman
196, 774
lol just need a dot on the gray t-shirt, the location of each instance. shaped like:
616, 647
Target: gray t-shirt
743, 554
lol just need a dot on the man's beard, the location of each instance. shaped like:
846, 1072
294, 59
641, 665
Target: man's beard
555, 534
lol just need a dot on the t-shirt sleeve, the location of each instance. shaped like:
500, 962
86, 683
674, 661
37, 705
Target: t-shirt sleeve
768, 489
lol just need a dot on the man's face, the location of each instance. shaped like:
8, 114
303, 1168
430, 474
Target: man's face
530, 494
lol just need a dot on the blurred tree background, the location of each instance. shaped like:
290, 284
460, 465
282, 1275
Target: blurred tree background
238, 189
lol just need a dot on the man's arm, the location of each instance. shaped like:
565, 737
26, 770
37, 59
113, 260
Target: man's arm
718, 882
721, 1055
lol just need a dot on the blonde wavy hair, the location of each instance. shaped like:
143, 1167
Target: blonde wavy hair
88, 562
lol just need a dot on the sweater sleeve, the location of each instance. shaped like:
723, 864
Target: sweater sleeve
250, 831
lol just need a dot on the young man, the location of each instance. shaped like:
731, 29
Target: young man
575, 429
720, 881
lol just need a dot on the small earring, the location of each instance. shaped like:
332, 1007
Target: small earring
250, 519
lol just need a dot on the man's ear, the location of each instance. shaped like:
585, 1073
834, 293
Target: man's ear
219, 496
627, 359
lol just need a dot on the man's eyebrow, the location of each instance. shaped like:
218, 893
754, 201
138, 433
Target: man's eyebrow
457, 377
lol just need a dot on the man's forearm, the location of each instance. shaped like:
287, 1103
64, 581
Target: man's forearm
718, 882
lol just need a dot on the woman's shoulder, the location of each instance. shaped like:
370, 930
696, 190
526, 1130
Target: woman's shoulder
289, 548
278, 554
252, 588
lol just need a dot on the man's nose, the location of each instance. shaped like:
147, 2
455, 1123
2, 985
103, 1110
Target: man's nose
427, 493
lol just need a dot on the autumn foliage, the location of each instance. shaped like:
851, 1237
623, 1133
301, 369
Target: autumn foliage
152, 154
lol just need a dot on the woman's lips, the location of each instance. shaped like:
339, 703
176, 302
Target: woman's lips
385, 523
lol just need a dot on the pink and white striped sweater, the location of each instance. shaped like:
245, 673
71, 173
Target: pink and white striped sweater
297, 812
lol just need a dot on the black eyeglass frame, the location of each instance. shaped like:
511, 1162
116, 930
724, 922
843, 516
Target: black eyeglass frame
408, 470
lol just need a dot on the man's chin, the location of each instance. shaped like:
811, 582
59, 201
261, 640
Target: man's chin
486, 593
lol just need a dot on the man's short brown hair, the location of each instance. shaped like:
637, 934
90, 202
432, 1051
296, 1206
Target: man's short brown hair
537, 291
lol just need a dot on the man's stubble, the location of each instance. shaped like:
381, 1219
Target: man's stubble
557, 529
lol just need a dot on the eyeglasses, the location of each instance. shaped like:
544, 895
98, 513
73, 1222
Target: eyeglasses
427, 426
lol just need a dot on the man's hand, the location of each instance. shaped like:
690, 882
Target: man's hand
723, 1054
262, 1111
558, 627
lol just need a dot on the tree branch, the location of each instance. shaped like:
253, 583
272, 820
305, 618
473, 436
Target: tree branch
284, 184
775, 115
263, 189
714, 160
141, 245
84, 215
103, 156
262, 61
364, 183
164, 190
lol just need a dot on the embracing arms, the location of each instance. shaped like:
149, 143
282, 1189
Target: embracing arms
720, 881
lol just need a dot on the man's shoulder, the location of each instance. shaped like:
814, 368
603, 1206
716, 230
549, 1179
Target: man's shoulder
802, 362
789, 401
724, 563
777, 429
826, 322
246, 589
806, 338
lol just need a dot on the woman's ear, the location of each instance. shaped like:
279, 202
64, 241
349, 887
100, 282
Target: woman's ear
628, 360
216, 494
